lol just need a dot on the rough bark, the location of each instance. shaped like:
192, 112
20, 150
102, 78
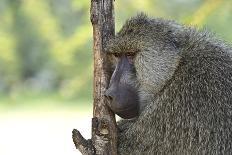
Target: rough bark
104, 131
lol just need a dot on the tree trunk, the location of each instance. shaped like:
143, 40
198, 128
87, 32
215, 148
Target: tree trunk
104, 129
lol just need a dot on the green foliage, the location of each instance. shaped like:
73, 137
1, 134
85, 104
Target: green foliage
46, 45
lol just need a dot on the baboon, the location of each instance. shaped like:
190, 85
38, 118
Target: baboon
173, 86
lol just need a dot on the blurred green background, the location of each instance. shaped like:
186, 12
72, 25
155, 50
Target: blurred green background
46, 63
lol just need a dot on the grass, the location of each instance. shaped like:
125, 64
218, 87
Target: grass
41, 100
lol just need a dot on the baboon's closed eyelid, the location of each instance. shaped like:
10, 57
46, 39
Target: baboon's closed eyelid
117, 55
131, 54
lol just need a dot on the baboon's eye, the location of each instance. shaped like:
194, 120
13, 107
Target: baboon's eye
116, 55
130, 56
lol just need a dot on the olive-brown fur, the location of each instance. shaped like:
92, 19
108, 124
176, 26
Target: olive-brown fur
184, 78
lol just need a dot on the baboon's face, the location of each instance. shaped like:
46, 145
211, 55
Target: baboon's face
122, 88
146, 58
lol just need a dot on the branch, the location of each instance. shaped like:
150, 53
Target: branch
83, 145
104, 128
